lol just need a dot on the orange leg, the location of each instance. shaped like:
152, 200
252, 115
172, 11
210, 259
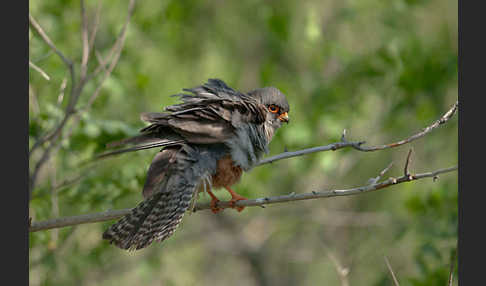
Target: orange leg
214, 201
234, 198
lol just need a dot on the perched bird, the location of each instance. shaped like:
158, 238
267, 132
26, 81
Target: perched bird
207, 142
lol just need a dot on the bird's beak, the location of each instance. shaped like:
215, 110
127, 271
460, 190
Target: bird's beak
284, 117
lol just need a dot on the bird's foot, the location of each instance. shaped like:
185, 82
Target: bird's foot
233, 201
213, 206
234, 198
214, 202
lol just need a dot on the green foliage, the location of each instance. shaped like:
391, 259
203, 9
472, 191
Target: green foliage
382, 70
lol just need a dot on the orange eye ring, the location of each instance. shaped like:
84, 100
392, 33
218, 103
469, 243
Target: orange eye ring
273, 108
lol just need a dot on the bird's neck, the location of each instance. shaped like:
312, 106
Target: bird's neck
249, 145
268, 130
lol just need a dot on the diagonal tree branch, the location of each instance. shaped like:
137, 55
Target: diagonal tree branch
39, 70
342, 271
358, 144
94, 29
84, 37
114, 214
48, 41
388, 265
448, 115
327, 194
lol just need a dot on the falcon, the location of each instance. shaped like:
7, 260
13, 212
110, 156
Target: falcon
207, 141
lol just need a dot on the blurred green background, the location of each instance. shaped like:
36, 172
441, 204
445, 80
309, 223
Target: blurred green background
380, 69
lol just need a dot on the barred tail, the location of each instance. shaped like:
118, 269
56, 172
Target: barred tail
156, 218
171, 185
172, 181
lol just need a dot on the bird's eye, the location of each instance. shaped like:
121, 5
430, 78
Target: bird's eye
273, 108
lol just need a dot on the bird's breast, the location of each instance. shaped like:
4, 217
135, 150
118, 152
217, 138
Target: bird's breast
227, 173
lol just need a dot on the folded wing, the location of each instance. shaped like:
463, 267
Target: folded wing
208, 114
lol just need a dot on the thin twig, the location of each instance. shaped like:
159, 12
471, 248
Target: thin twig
95, 26
80, 219
62, 88
101, 62
341, 270
39, 70
377, 178
406, 172
358, 144
416, 136
395, 280
48, 41
116, 50
75, 93
286, 155
55, 132
84, 37
114, 214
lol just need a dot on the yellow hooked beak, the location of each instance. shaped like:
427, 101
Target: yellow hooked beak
284, 117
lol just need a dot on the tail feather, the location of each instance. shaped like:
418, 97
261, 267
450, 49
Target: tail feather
139, 139
167, 199
159, 143
152, 136
154, 219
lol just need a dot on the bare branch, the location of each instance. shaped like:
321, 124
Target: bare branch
116, 49
76, 89
395, 281
114, 214
286, 155
115, 52
326, 194
39, 70
95, 26
62, 88
448, 115
406, 172
84, 37
340, 269
53, 134
102, 63
48, 41
343, 136
80, 219
377, 178
358, 144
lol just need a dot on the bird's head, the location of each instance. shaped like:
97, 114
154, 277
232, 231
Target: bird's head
277, 108
275, 103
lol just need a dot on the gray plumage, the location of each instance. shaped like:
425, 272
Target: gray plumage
212, 121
